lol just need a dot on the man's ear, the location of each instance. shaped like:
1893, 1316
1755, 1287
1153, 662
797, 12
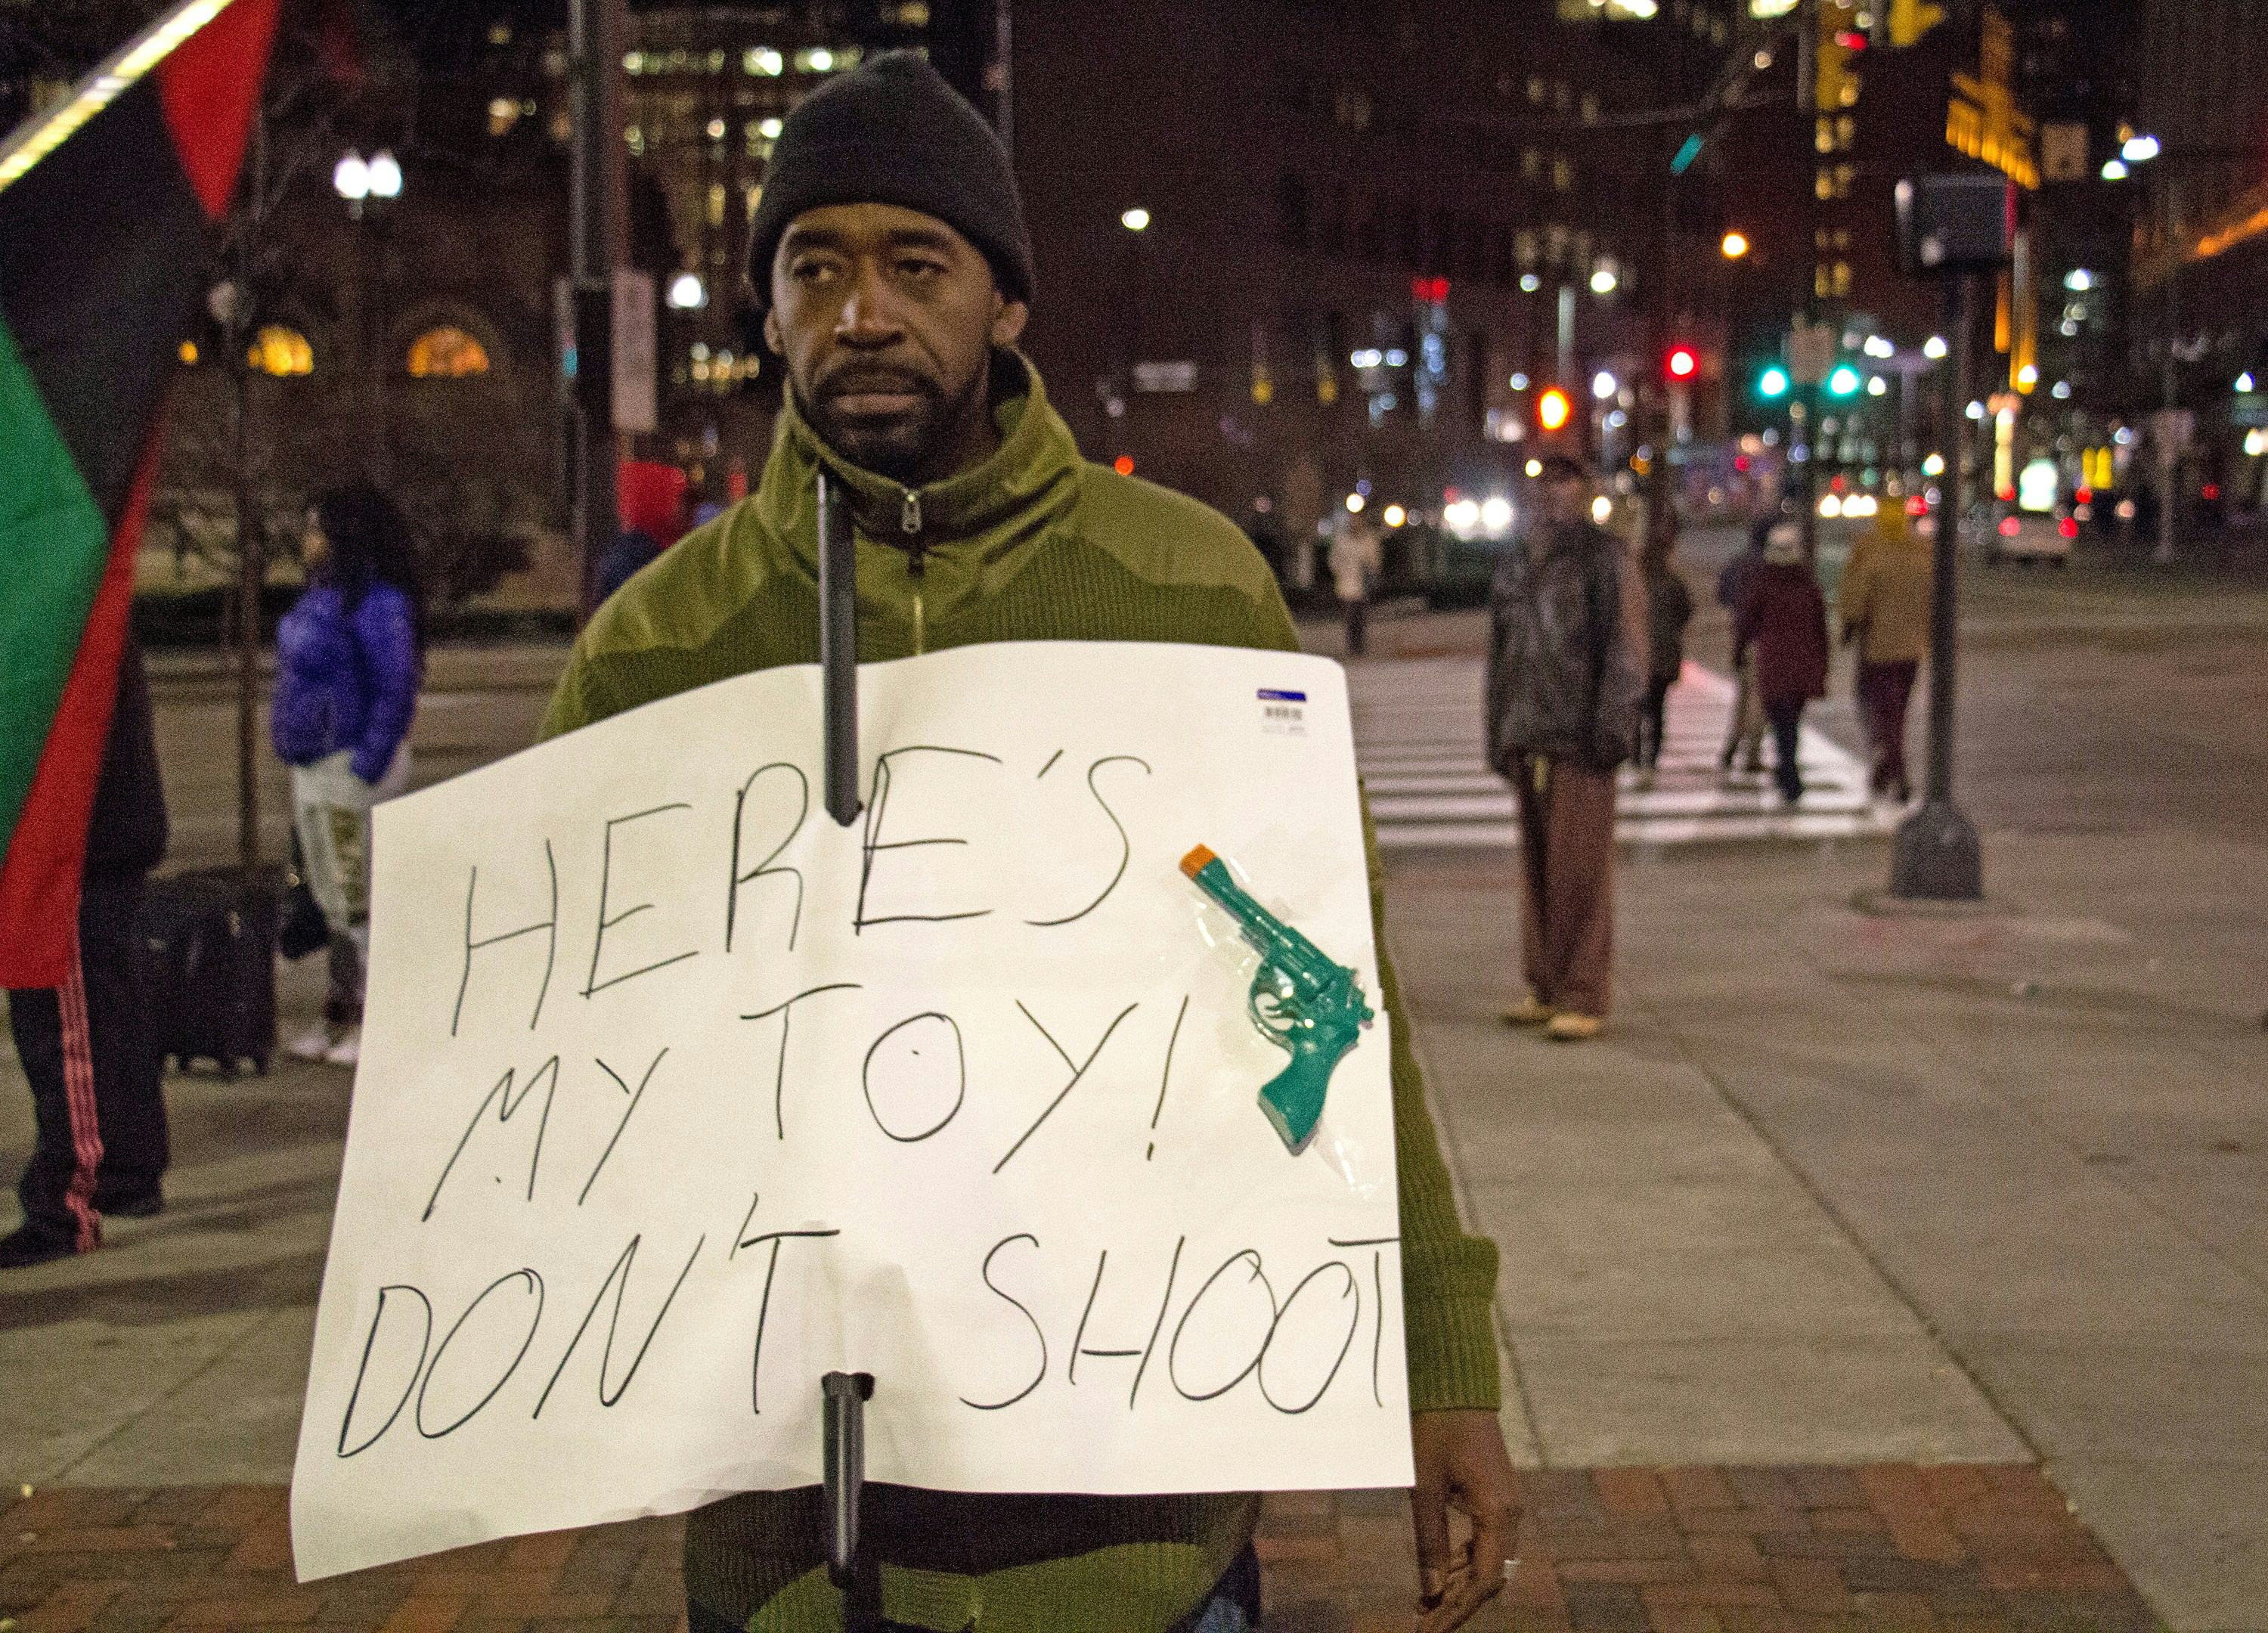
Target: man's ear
1008, 319
772, 332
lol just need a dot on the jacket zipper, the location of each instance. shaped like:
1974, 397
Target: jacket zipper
909, 522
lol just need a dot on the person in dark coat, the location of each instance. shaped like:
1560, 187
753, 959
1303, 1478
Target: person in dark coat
1744, 734
1782, 622
1565, 671
89, 1048
1669, 610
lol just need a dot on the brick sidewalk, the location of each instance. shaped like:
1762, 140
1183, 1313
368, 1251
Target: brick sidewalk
1961, 1549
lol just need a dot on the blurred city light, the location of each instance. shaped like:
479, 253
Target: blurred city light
1736, 244
1354, 504
2139, 150
2114, 169
1135, 220
1496, 516
1604, 385
1773, 382
1935, 348
385, 175
351, 179
1845, 381
686, 293
1394, 516
2079, 280
1552, 409
1603, 281
1602, 509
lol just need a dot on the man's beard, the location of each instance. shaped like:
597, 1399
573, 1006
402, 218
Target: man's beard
901, 447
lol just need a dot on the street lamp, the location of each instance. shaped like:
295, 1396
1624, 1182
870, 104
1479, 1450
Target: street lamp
367, 185
1736, 244
1603, 280
1135, 220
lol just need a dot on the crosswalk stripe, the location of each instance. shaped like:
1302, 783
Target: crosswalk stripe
1418, 739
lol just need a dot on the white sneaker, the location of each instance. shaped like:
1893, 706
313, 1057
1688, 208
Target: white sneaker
348, 1050
315, 1043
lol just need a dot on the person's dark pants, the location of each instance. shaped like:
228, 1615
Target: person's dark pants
1566, 849
1358, 626
1786, 719
1241, 1588
1653, 721
91, 1054
1884, 691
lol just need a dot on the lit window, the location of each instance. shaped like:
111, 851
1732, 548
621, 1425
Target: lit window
504, 114
280, 350
763, 61
633, 61
499, 34
1822, 282
1562, 175
1842, 279
1537, 91
446, 353
716, 203
717, 60
755, 194
1823, 134
1590, 108
1531, 165
716, 130
635, 138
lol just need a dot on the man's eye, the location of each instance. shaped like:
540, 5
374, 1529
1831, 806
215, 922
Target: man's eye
810, 271
919, 268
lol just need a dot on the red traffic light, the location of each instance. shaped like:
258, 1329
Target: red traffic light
1682, 364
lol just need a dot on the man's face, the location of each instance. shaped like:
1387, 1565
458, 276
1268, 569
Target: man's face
888, 319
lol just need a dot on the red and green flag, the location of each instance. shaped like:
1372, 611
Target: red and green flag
109, 202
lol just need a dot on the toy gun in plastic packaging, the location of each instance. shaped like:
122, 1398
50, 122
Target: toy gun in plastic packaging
1300, 1001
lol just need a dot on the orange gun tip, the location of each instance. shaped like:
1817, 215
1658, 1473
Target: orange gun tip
1198, 860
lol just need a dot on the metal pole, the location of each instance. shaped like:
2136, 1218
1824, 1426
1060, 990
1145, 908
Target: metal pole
842, 1475
2169, 452
1936, 857
251, 540
838, 649
594, 46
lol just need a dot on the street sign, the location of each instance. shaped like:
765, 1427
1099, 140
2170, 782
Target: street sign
1810, 352
634, 385
1178, 375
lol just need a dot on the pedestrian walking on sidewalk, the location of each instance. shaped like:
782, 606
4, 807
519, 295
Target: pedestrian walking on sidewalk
1566, 677
1782, 626
1883, 606
1357, 557
1669, 609
1744, 734
889, 258
348, 657
89, 1049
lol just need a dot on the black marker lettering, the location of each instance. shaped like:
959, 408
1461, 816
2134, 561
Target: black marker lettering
786, 1012
536, 1285
777, 1238
913, 1048
872, 844
1165, 1303
593, 984
1377, 1302
619, 1279
1078, 1339
550, 956
764, 869
1125, 846
629, 1112
377, 1320
1166, 1076
1173, 1351
1354, 1323
1037, 1332
506, 1103
1077, 1072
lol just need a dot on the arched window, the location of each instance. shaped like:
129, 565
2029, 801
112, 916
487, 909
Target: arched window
447, 353
279, 350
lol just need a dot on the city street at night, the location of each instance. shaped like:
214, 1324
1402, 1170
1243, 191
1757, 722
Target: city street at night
1031, 816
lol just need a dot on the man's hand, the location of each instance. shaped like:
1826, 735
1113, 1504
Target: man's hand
1460, 1461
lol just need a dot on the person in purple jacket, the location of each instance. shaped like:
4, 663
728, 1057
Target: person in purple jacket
348, 657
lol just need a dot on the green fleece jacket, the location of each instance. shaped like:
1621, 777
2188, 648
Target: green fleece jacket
1032, 544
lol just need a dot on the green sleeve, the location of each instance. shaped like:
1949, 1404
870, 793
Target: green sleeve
1448, 1277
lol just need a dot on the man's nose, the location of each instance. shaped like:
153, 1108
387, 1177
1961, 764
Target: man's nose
869, 315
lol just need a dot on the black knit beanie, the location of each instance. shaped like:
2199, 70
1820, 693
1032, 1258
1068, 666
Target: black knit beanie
891, 131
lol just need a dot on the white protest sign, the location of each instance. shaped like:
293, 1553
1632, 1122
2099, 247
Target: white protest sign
675, 1096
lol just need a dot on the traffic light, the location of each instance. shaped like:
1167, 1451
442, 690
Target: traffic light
1911, 20
1845, 381
1682, 364
1835, 76
1553, 409
1772, 384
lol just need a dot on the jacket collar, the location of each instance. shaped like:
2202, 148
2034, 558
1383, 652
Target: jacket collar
969, 518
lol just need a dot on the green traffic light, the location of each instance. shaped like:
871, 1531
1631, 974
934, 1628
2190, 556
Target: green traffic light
1772, 383
1844, 382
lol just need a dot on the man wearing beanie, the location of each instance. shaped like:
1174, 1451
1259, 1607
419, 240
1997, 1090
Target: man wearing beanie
889, 256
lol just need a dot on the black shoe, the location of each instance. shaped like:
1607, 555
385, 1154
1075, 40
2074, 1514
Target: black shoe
27, 1246
144, 1205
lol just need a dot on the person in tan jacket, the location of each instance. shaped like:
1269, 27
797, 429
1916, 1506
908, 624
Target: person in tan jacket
1884, 608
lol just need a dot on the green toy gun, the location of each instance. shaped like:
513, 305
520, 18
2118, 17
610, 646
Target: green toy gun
1299, 1000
